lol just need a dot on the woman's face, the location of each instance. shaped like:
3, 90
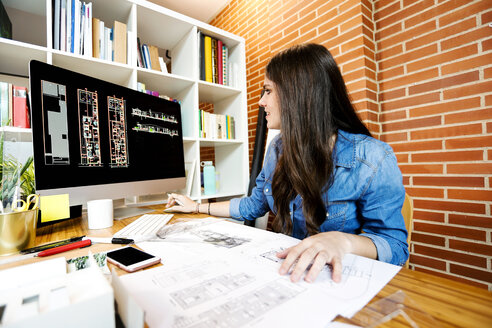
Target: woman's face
270, 102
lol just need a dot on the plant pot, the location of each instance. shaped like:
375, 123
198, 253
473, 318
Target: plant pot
17, 231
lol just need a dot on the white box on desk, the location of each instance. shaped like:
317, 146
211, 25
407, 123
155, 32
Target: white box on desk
90, 301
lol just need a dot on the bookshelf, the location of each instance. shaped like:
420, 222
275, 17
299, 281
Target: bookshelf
32, 38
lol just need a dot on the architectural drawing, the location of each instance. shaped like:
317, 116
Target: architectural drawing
55, 127
118, 141
154, 127
239, 311
210, 289
90, 145
154, 115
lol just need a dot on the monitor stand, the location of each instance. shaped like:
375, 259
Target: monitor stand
126, 212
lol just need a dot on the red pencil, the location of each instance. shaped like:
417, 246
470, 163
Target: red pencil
64, 248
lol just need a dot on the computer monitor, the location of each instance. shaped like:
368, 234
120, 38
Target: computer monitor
93, 139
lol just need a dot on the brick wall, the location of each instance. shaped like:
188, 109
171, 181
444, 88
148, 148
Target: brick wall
420, 74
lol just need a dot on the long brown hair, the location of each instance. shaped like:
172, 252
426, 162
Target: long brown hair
314, 105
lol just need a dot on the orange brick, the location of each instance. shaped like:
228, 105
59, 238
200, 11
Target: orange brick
478, 195
417, 146
449, 182
473, 142
408, 34
470, 90
412, 124
443, 57
447, 230
423, 238
430, 13
390, 52
445, 107
483, 275
462, 65
444, 82
389, 74
425, 192
410, 56
475, 115
451, 156
419, 214
411, 78
460, 130
394, 137
393, 115
422, 168
471, 168
411, 101
478, 261
470, 220
477, 248
427, 261
442, 33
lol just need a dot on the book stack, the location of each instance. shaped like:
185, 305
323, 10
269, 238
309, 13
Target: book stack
214, 59
75, 30
14, 110
141, 88
148, 57
216, 126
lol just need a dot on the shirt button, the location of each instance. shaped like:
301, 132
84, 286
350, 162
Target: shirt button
290, 213
327, 214
266, 189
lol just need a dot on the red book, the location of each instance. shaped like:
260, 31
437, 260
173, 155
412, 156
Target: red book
219, 61
19, 111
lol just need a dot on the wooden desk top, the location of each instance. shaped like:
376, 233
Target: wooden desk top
450, 303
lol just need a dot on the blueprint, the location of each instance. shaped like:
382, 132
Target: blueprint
204, 284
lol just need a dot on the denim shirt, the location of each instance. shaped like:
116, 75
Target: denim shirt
365, 198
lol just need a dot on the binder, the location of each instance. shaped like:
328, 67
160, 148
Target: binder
119, 45
154, 58
208, 58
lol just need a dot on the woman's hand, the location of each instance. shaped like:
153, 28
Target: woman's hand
318, 250
181, 203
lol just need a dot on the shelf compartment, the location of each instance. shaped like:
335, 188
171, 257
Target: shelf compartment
16, 56
102, 69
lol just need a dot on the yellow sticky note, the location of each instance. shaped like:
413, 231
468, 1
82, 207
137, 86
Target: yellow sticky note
54, 207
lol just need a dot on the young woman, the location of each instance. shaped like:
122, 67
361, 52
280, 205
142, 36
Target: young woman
325, 178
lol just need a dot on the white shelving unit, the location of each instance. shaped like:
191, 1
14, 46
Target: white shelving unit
32, 39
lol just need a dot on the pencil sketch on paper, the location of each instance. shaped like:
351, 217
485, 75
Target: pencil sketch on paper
210, 289
241, 310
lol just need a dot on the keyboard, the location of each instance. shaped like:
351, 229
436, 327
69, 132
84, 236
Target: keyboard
145, 227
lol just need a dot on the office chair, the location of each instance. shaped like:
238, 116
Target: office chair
407, 212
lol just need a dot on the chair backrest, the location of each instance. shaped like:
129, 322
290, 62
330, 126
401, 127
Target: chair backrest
407, 212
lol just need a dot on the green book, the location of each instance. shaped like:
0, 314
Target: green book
5, 23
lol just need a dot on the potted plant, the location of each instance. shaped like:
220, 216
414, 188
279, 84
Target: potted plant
17, 228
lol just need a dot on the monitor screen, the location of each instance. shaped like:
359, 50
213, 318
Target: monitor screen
94, 139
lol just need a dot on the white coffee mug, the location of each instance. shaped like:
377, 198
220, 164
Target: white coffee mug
100, 213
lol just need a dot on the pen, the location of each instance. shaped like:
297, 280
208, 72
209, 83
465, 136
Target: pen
51, 245
110, 240
64, 248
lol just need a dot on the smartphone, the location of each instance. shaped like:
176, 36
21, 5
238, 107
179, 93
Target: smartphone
131, 259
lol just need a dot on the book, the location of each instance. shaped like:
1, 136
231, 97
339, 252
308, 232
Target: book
119, 42
68, 24
219, 62
63, 26
146, 56
225, 65
163, 65
201, 47
208, 58
88, 31
56, 25
214, 61
4, 103
140, 60
96, 36
20, 117
5, 23
154, 58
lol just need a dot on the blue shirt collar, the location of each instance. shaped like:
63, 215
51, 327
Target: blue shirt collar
344, 152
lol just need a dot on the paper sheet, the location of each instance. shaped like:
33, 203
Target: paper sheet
226, 275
